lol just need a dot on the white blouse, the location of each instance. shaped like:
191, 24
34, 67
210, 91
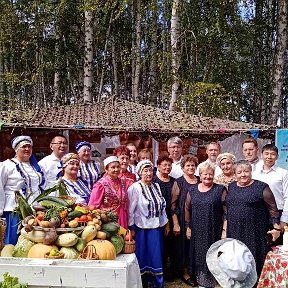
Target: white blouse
11, 180
142, 209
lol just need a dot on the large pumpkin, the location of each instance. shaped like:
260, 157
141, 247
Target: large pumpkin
39, 250
104, 248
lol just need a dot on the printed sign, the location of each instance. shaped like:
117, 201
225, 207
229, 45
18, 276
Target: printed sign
282, 144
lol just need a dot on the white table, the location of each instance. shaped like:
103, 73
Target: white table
122, 273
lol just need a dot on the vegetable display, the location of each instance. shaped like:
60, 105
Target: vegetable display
57, 225
11, 282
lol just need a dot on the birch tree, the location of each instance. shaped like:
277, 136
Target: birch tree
175, 51
279, 60
88, 57
136, 49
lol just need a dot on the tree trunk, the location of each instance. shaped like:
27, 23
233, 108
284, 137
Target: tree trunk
279, 61
153, 58
2, 94
56, 85
114, 63
136, 51
88, 59
175, 49
105, 57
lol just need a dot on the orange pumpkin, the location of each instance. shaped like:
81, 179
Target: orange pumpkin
104, 248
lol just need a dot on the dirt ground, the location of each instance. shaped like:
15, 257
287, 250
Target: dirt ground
176, 284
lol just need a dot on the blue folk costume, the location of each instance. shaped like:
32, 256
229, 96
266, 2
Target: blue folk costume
147, 216
15, 175
77, 189
90, 172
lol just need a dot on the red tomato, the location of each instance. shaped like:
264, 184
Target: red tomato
127, 238
40, 217
83, 218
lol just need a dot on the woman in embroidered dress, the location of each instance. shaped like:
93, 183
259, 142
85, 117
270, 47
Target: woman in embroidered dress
89, 169
110, 193
147, 219
123, 155
75, 186
19, 173
226, 162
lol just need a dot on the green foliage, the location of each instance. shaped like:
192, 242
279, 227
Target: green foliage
208, 100
230, 43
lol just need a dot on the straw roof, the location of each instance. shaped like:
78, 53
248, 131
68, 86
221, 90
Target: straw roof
116, 116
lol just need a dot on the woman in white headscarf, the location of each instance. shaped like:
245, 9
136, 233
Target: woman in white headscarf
147, 219
226, 162
21, 173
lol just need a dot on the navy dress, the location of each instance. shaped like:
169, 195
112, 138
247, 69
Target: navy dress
250, 209
169, 254
204, 213
178, 206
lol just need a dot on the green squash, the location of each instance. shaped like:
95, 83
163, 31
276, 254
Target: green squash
118, 243
112, 228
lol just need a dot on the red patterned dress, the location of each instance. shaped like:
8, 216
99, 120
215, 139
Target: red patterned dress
111, 194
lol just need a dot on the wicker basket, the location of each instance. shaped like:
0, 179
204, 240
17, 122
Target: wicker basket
60, 256
2, 232
129, 245
89, 253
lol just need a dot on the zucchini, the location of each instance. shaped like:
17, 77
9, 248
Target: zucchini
72, 215
57, 200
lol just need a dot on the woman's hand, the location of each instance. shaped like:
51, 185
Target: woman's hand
223, 235
188, 233
166, 229
176, 229
275, 234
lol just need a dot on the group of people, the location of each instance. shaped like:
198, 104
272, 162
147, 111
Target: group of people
175, 210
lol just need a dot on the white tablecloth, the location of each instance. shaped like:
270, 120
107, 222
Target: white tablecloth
122, 273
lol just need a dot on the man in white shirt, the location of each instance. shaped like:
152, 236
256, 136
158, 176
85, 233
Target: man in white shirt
51, 164
174, 147
213, 149
276, 177
250, 152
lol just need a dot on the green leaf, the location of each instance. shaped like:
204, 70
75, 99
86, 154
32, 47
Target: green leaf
45, 193
62, 189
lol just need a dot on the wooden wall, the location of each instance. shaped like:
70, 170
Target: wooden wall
42, 138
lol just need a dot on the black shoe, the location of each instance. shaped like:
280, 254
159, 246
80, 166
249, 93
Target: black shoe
169, 278
189, 281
